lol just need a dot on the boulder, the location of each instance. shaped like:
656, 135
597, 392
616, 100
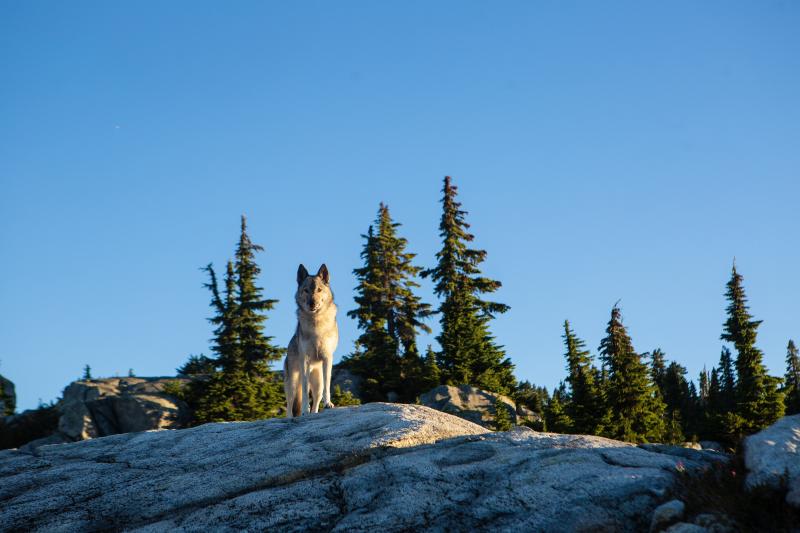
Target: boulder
8, 397
347, 381
666, 514
772, 458
527, 415
376, 467
468, 402
101, 407
711, 445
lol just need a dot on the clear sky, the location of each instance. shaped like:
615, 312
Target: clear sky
604, 151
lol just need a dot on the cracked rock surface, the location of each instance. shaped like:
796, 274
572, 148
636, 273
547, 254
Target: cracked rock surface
772, 457
377, 467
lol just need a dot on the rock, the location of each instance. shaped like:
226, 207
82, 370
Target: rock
347, 381
8, 397
715, 523
528, 415
772, 458
375, 467
102, 407
685, 527
711, 445
667, 514
692, 445
467, 402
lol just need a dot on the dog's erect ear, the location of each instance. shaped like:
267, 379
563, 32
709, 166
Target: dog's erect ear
302, 274
323, 273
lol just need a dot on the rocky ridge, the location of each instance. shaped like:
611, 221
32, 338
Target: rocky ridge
386, 467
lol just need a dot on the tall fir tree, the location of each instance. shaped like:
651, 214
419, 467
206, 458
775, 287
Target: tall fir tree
257, 348
586, 404
390, 315
792, 381
469, 353
759, 403
636, 409
240, 385
727, 381
678, 401
555, 414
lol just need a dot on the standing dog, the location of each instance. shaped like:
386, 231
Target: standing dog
309, 358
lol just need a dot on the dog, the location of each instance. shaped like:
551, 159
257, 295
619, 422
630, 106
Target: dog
309, 357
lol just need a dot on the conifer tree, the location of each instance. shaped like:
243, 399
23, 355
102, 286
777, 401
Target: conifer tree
758, 401
636, 408
792, 382
727, 382
555, 414
389, 313
239, 384
256, 348
658, 368
469, 353
502, 420
585, 405
677, 400
87, 373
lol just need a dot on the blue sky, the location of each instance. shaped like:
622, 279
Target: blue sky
605, 151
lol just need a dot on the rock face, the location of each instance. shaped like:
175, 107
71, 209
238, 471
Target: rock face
347, 381
376, 467
468, 402
772, 458
102, 407
8, 396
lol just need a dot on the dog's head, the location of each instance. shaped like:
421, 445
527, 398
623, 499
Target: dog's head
313, 292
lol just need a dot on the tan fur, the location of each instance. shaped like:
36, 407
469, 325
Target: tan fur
309, 358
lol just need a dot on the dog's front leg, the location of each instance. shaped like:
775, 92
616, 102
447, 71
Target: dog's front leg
304, 393
327, 370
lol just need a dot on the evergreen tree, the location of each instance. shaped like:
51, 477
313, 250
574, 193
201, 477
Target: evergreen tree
256, 348
238, 383
533, 397
87, 373
390, 314
469, 353
727, 382
585, 405
502, 419
197, 365
657, 368
677, 400
758, 401
792, 382
556, 418
636, 408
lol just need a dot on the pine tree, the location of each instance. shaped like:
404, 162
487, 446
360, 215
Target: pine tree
389, 313
792, 382
502, 419
727, 382
657, 368
238, 384
256, 348
585, 405
677, 400
636, 409
469, 353
758, 401
87, 373
555, 414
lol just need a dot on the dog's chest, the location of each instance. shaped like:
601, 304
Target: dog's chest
315, 344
